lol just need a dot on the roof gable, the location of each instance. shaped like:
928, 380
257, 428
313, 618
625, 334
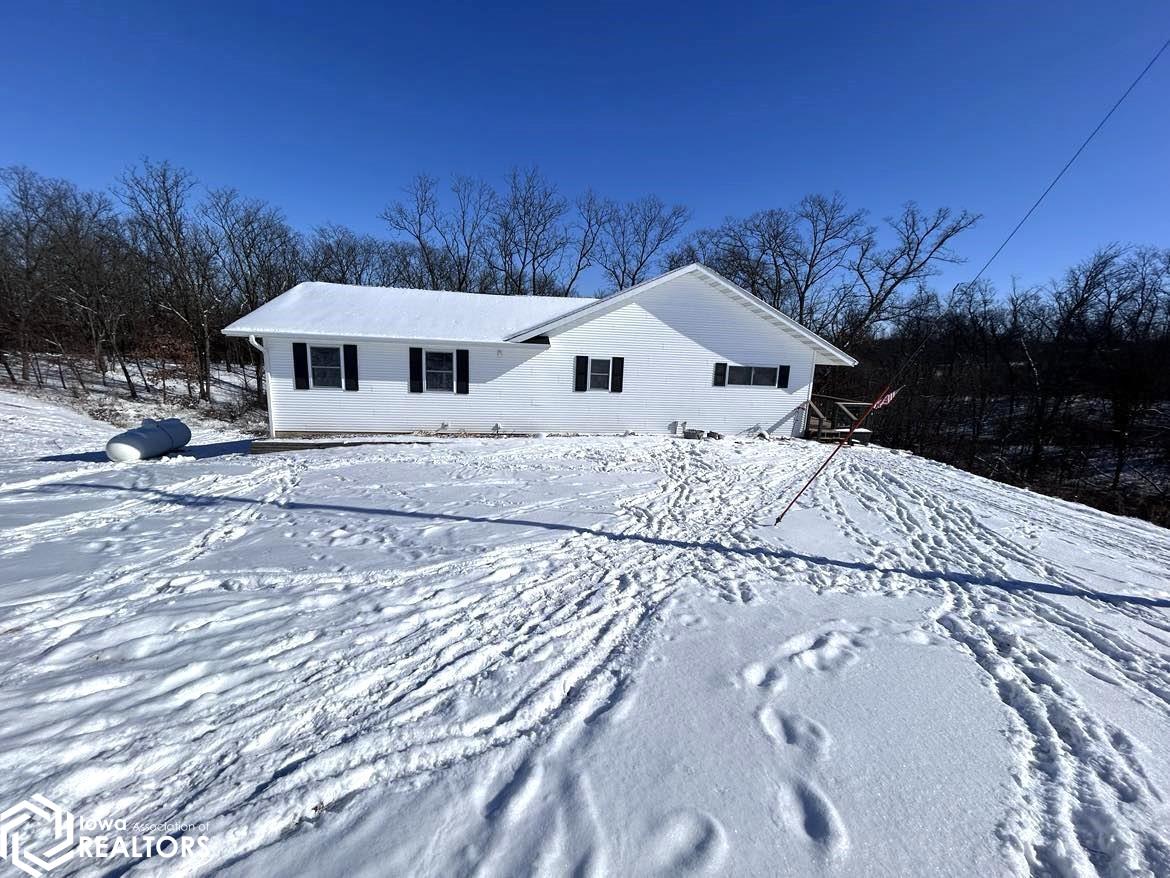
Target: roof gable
826, 353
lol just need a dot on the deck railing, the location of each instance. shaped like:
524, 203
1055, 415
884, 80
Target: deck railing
830, 417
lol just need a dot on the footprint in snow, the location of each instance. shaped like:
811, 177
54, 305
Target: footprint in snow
764, 676
686, 842
808, 814
794, 730
830, 651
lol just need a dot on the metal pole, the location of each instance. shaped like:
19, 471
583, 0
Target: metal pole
833, 453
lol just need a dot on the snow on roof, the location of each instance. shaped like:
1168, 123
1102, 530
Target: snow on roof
345, 311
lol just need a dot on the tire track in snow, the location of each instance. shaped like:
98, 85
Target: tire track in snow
361, 714
306, 687
1088, 804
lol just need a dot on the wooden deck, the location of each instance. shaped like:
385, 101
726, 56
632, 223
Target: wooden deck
830, 417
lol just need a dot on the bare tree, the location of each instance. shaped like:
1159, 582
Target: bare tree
417, 218
257, 254
528, 239
826, 233
338, 254
179, 253
593, 214
94, 270
921, 242
25, 240
635, 234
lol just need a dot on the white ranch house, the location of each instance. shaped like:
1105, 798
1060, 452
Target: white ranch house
686, 346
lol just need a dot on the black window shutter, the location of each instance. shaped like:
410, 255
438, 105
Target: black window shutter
461, 366
720, 375
300, 365
617, 374
349, 353
782, 376
582, 375
416, 378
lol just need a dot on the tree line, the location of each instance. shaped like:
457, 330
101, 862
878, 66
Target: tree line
142, 277
1062, 387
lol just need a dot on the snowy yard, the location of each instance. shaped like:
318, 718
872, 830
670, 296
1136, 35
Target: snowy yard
580, 656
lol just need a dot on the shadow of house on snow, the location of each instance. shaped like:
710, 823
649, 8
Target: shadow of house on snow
965, 580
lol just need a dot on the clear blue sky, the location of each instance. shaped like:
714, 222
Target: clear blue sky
328, 110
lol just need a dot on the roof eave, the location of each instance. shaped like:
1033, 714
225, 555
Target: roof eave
324, 336
821, 359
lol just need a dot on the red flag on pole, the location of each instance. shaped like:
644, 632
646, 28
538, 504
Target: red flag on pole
885, 399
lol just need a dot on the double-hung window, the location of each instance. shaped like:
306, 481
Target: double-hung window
440, 370
325, 366
599, 374
607, 374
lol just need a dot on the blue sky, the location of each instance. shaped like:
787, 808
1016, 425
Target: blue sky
327, 110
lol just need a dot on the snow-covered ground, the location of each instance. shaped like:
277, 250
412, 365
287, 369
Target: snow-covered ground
106, 397
585, 656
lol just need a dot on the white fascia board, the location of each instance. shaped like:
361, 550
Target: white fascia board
423, 342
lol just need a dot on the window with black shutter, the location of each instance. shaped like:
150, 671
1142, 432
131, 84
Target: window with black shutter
349, 356
599, 373
462, 366
581, 374
617, 376
751, 376
300, 365
416, 370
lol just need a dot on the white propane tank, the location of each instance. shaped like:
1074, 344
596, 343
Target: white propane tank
152, 439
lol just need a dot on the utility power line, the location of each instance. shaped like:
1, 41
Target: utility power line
922, 344
1069, 163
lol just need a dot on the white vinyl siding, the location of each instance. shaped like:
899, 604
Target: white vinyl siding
671, 337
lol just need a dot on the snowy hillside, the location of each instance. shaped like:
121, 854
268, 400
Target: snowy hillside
586, 656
